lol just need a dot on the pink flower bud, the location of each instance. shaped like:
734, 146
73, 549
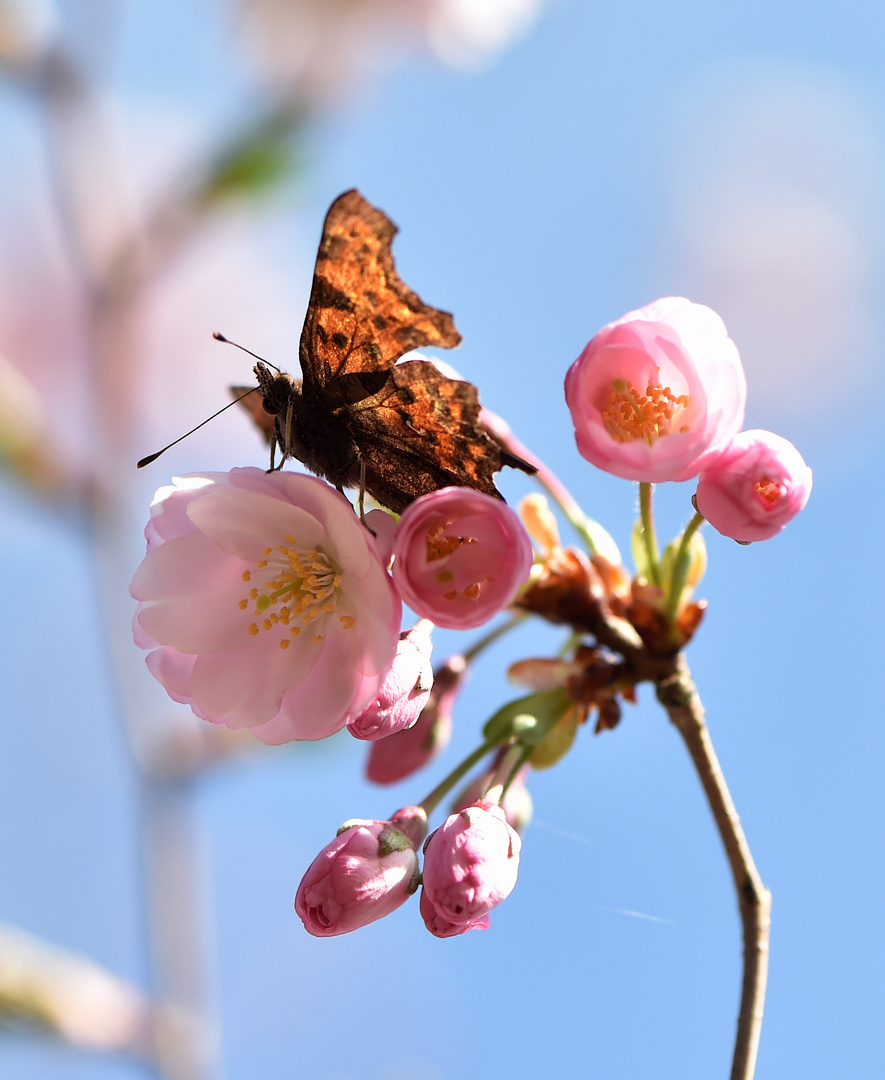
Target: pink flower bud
442, 928
404, 692
399, 755
459, 557
366, 872
470, 864
657, 391
756, 486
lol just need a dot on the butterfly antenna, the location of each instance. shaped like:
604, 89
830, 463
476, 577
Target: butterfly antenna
153, 457
227, 341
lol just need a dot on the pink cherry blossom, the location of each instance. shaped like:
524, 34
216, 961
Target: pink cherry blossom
753, 488
459, 557
399, 755
657, 393
470, 864
268, 603
405, 690
367, 871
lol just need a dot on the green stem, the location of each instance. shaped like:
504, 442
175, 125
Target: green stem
492, 636
681, 566
520, 760
431, 801
648, 532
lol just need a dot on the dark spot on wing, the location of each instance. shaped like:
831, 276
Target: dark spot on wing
339, 340
380, 322
325, 295
322, 334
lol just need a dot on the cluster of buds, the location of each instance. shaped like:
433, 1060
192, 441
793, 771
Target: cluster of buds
269, 605
371, 868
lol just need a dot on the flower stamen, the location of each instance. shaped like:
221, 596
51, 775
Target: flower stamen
304, 583
631, 416
770, 490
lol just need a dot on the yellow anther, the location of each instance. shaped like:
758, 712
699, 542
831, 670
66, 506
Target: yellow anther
347, 621
472, 591
769, 489
284, 643
303, 586
295, 631
631, 416
317, 638
439, 545
253, 629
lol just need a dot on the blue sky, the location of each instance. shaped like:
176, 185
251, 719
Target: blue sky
730, 153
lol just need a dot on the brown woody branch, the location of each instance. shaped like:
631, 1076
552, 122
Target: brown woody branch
595, 598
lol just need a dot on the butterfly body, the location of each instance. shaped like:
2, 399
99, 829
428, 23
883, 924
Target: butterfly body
357, 415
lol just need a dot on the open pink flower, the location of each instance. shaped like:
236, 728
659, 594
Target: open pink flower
470, 864
657, 392
459, 557
754, 487
404, 692
397, 756
368, 870
268, 603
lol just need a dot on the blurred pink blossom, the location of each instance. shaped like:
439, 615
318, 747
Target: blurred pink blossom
657, 392
319, 49
470, 864
404, 692
367, 871
268, 601
459, 557
399, 755
757, 485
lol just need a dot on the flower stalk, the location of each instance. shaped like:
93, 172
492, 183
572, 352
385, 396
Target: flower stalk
679, 697
430, 802
649, 539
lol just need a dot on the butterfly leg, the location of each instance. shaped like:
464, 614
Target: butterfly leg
362, 494
273, 445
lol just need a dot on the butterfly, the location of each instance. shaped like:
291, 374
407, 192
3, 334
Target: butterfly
356, 417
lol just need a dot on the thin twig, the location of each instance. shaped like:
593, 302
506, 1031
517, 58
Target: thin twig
679, 697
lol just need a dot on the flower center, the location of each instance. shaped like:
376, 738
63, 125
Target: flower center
768, 489
294, 587
440, 546
630, 416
